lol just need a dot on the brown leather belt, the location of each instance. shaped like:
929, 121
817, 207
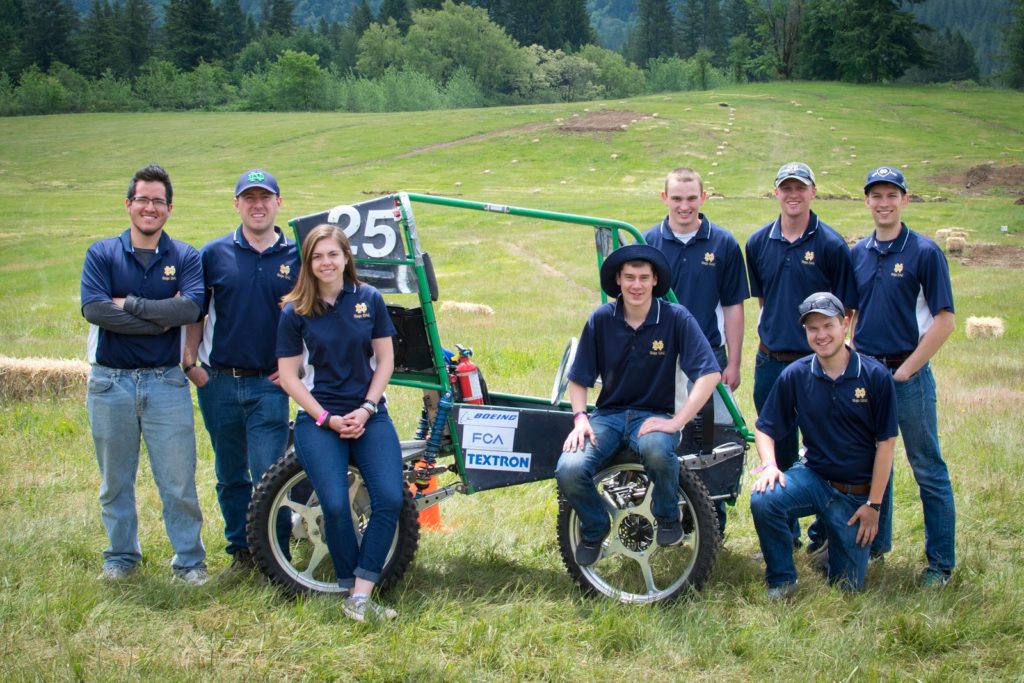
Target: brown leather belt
780, 356
859, 489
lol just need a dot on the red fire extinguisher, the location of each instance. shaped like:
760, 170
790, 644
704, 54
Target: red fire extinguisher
469, 377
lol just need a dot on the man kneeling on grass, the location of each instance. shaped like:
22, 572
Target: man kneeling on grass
633, 344
844, 404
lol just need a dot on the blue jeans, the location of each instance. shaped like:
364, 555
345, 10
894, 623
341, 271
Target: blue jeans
154, 404
805, 494
576, 469
915, 403
247, 419
787, 449
378, 455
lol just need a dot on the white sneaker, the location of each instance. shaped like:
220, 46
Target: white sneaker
361, 608
193, 577
115, 572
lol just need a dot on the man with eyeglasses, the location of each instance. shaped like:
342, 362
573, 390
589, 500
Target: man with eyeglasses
845, 406
795, 255
245, 411
904, 317
138, 289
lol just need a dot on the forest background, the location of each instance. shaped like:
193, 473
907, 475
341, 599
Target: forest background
396, 55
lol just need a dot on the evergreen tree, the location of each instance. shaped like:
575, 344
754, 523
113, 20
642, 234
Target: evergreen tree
397, 10
137, 32
48, 35
360, 18
99, 40
817, 37
191, 32
11, 30
877, 41
280, 17
1013, 47
952, 57
576, 28
236, 26
653, 35
779, 25
736, 19
701, 27
427, 4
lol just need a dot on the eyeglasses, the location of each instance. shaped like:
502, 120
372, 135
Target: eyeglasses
157, 202
825, 303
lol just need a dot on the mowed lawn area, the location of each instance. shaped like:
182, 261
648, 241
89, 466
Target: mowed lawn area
487, 598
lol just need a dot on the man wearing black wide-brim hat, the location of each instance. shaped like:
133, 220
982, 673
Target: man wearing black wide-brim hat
633, 344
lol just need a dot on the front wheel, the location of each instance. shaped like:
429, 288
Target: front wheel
632, 567
299, 561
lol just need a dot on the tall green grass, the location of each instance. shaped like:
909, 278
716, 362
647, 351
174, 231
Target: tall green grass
487, 599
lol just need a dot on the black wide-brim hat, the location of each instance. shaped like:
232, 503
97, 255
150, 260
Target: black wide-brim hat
635, 252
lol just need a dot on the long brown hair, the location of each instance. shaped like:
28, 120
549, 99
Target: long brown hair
306, 293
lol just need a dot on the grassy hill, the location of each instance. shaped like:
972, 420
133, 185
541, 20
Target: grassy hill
488, 599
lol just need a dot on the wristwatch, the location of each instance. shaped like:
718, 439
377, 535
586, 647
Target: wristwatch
370, 407
877, 507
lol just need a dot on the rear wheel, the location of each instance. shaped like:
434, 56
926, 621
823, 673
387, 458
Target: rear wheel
632, 567
304, 565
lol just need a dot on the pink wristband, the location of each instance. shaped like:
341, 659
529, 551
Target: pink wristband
323, 416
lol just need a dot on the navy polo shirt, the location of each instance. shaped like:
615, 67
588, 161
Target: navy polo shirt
243, 294
707, 273
841, 421
336, 346
785, 273
903, 284
111, 270
637, 367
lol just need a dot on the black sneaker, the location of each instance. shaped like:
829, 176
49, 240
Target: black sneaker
588, 552
242, 561
670, 532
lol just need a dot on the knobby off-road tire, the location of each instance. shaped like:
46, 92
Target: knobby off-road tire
306, 566
632, 567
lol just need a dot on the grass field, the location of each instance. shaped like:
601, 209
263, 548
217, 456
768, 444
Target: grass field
488, 599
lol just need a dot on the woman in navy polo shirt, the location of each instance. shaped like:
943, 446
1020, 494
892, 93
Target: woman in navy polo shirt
341, 330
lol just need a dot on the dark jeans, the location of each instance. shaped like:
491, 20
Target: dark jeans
378, 455
787, 449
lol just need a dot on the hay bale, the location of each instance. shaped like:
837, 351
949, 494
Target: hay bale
942, 235
958, 232
984, 328
464, 307
955, 245
25, 378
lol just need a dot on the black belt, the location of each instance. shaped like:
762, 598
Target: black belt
780, 356
859, 489
240, 372
892, 362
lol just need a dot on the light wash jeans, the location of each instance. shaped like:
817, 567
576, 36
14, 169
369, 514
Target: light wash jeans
247, 420
153, 403
806, 493
915, 403
576, 469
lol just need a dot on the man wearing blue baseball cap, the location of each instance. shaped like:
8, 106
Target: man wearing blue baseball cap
904, 317
795, 255
845, 407
633, 344
244, 409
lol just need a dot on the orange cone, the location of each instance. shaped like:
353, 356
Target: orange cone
430, 518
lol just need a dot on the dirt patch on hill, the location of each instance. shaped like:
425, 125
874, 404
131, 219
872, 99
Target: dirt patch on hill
987, 177
609, 121
994, 256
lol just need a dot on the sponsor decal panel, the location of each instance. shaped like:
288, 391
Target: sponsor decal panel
491, 460
488, 437
496, 418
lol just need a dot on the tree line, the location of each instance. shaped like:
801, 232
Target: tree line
426, 54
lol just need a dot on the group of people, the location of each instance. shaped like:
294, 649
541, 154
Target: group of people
250, 324
847, 398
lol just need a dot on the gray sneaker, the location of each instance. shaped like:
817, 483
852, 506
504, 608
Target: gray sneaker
782, 592
361, 608
933, 578
115, 572
670, 532
196, 576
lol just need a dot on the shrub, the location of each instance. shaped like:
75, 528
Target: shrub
39, 93
618, 77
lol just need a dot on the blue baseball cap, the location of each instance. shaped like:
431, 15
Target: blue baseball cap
256, 178
635, 252
795, 169
886, 174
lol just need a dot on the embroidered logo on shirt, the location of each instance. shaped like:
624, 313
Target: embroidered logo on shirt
285, 271
657, 348
169, 273
860, 395
809, 257
897, 270
709, 258
361, 311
